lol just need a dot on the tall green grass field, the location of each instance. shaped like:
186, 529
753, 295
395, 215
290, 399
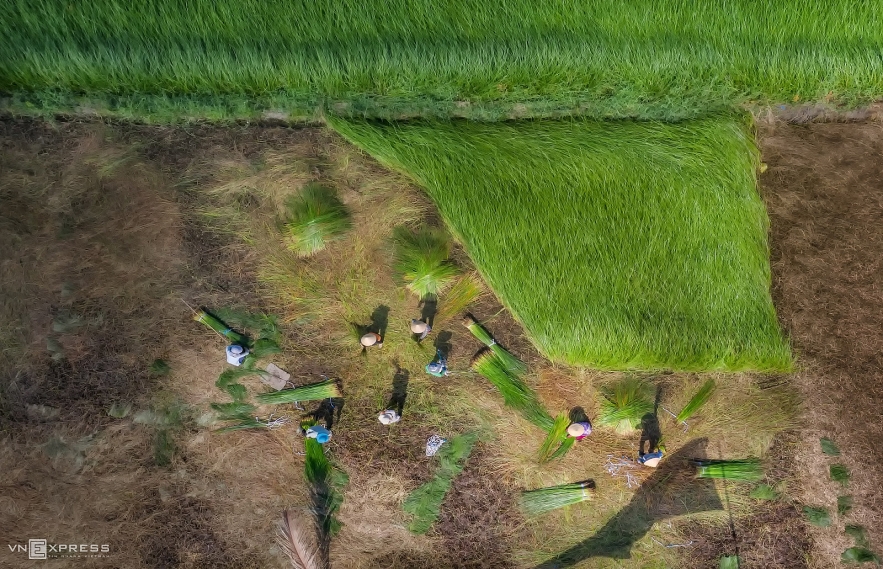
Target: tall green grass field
618, 245
484, 59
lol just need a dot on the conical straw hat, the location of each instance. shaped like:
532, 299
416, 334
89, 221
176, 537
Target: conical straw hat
369, 339
418, 326
576, 430
652, 462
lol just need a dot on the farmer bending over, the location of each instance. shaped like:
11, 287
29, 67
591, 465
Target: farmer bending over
438, 366
420, 329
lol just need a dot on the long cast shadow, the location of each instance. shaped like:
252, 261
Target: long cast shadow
399, 390
671, 491
379, 320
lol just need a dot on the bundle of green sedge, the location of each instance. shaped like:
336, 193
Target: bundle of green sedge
542, 500
512, 363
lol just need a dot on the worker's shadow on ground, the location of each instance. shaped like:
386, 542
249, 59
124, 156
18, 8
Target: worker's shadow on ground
578, 415
379, 320
428, 308
328, 411
651, 432
378, 324
673, 490
399, 390
443, 342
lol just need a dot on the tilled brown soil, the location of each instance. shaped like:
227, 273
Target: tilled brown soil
824, 193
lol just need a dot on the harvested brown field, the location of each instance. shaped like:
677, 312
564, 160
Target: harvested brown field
106, 228
824, 192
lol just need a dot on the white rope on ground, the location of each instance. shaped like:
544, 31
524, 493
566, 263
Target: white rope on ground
622, 466
272, 423
670, 545
686, 426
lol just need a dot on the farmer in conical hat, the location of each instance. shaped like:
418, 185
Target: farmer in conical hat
420, 329
312, 430
389, 416
236, 354
320, 433
579, 430
371, 339
651, 459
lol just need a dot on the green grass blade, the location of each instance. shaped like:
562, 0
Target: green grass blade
511, 363
421, 260
697, 401
478, 331
163, 447
557, 435
562, 450
325, 488
729, 562
230, 60
233, 375
237, 392
458, 297
499, 188
219, 327
159, 368
263, 348
844, 505
764, 492
316, 465
229, 411
858, 534
315, 218
625, 403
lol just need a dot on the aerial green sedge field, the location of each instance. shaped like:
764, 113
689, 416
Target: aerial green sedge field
173, 61
616, 245
585, 186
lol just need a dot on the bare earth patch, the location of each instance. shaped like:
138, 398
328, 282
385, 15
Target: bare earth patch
824, 192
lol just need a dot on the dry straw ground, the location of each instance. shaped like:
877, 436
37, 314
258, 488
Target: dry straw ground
105, 229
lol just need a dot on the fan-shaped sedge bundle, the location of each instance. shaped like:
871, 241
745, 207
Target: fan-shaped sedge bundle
461, 294
315, 217
624, 404
421, 259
